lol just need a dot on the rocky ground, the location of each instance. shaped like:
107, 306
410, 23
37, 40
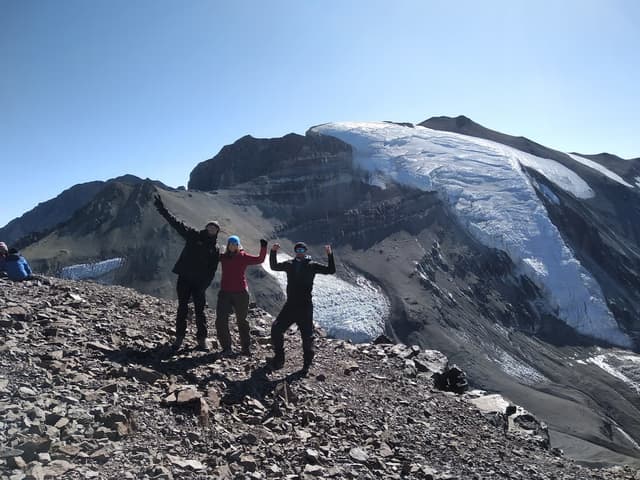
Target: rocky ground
89, 390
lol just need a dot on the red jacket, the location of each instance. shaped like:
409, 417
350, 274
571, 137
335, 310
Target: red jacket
233, 267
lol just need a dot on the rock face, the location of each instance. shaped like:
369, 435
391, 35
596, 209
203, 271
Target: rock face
249, 158
98, 395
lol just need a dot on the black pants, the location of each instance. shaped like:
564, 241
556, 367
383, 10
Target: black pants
302, 315
188, 289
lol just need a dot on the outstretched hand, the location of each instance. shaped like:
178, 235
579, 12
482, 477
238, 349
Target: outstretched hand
263, 243
327, 248
275, 247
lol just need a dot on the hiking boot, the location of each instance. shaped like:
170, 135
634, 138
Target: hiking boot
226, 352
308, 361
276, 363
177, 343
202, 345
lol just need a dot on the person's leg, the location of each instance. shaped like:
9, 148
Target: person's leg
199, 301
241, 307
282, 322
223, 310
183, 288
305, 324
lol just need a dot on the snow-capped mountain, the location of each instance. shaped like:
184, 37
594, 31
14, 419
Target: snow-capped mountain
485, 185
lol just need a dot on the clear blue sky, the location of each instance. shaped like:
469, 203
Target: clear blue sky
95, 89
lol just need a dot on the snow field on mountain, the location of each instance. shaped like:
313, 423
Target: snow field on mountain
603, 170
349, 311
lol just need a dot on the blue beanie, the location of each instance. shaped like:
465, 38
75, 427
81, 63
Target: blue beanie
234, 239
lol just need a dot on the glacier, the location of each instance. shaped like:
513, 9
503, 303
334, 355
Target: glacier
493, 197
349, 311
84, 271
600, 168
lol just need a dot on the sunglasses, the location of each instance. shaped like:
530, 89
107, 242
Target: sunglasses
300, 250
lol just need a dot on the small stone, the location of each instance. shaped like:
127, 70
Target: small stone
144, 374
6, 452
248, 462
349, 367
44, 458
184, 463
26, 392
313, 470
16, 462
359, 455
187, 396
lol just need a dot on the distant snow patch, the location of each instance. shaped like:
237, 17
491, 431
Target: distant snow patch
523, 372
349, 311
600, 168
637, 182
84, 271
623, 366
492, 196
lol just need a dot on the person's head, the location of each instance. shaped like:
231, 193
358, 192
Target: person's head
3, 248
212, 228
300, 249
233, 244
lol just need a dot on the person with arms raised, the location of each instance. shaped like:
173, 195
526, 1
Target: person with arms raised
298, 309
195, 268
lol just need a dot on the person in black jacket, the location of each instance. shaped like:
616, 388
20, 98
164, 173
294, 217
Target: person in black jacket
298, 308
195, 268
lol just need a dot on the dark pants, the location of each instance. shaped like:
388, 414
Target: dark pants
302, 315
188, 289
227, 303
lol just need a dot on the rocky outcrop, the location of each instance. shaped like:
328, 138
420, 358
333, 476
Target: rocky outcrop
98, 395
249, 158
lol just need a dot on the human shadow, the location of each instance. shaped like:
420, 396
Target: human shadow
258, 385
162, 358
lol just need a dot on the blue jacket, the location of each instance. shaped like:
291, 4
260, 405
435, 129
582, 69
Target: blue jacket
16, 266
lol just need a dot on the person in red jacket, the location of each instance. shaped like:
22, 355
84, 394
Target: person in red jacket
234, 293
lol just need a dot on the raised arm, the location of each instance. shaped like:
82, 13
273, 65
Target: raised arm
326, 269
178, 226
273, 259
257, 260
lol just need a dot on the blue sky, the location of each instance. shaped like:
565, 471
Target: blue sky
95, 89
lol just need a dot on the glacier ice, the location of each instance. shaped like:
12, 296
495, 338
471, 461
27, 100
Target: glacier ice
492, 196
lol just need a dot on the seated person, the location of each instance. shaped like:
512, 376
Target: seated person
16, 266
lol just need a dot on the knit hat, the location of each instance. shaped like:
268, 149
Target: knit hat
3, 247
300, 245
234, 239
214, 223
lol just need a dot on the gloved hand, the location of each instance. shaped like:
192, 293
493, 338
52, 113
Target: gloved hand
263, 243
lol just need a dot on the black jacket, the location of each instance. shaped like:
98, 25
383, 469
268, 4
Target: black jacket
198, 261
300, 275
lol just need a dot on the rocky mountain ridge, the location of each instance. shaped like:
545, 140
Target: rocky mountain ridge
99, 396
